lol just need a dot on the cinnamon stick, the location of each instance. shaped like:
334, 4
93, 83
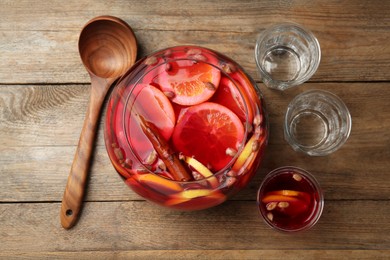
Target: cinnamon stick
163, 149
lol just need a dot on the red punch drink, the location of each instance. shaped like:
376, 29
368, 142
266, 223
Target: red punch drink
290, 199
186, 128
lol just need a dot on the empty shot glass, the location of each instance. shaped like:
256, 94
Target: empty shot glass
286, 55
317, 123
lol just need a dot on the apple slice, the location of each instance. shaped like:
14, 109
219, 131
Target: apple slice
202, 170
246, 152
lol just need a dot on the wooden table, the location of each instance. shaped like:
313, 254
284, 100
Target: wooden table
44, 91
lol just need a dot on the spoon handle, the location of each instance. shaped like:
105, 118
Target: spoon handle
75, 187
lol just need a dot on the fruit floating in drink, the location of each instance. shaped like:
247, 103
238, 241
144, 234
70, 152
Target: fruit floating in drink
186, 128
290, 199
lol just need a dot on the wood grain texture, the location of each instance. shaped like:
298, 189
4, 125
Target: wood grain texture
204, 254
40, 174
103, 39
136, 225
40, 127
45, 50
72, 199
44, 91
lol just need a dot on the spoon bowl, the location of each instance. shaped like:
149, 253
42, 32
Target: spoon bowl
108, 48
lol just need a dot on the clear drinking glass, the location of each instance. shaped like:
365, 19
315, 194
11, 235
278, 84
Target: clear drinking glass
317, 123
287, 55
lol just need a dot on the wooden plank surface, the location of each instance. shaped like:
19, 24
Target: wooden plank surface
40, 126
205, 254
39, 41
137, 225
44, 92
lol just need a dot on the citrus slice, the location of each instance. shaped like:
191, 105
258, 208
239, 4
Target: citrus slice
188, 83
213, 197
292, 193
246, 87
150, 103
206, 131
233, 97
278, 198
159, 183
287, 205
155, 107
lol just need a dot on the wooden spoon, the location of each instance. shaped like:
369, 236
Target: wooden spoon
108, 48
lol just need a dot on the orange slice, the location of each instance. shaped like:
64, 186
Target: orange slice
188, 83
159, 183
292, 193
206, 131
287, 205
188, 195
234, 97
